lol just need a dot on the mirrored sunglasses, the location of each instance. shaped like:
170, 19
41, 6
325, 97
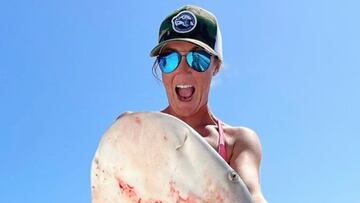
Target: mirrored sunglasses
198, 60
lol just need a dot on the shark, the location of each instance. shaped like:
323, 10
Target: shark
153, 157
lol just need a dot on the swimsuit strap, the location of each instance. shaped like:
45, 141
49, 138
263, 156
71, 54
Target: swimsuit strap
221, 142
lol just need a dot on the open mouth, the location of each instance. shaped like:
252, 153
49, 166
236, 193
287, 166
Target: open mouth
185, 92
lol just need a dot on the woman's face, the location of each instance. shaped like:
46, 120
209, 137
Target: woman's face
187, 90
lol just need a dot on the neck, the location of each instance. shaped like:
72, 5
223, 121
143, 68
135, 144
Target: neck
199, 119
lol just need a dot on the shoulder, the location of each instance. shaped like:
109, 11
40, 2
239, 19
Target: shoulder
245, 140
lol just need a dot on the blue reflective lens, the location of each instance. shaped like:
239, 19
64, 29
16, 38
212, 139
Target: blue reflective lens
169, 62
197, 60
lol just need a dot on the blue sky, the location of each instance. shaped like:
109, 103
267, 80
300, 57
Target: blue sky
291, 73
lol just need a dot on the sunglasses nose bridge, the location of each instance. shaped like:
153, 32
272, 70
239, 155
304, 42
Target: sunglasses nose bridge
183, 63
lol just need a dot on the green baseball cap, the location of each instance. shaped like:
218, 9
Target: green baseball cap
192, 24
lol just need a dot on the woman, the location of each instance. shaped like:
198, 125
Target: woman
189, 54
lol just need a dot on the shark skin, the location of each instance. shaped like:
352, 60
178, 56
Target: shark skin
152, 157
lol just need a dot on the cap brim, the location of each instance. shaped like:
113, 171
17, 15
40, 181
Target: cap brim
156, 50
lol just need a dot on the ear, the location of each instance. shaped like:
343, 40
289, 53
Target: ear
217, 68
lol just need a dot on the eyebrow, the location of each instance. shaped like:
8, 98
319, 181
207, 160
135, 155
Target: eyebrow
167, 49
196, 48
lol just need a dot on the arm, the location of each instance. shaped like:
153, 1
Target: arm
245, 161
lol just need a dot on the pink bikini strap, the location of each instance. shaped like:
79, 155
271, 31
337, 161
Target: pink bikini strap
221, 144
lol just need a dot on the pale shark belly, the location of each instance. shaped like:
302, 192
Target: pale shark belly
156, 158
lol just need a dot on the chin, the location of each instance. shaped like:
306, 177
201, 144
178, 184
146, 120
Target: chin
186, 110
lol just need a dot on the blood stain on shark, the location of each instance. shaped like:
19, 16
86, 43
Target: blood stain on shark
174, 192
137, 120
130, 192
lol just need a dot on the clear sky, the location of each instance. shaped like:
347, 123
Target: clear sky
291, 72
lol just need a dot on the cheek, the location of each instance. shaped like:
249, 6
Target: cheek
164, 79
204, 82
208, 75
166, 82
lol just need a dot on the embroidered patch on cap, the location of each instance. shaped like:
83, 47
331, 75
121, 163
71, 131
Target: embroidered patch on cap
184, 22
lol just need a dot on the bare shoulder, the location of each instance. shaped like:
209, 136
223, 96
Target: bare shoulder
244, 139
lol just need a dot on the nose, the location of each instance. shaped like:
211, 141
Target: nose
183, 65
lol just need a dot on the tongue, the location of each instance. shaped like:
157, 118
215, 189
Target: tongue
185, 92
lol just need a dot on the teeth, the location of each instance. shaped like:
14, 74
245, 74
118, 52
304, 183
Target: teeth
183, 86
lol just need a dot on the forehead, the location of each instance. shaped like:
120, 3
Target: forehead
180, 46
